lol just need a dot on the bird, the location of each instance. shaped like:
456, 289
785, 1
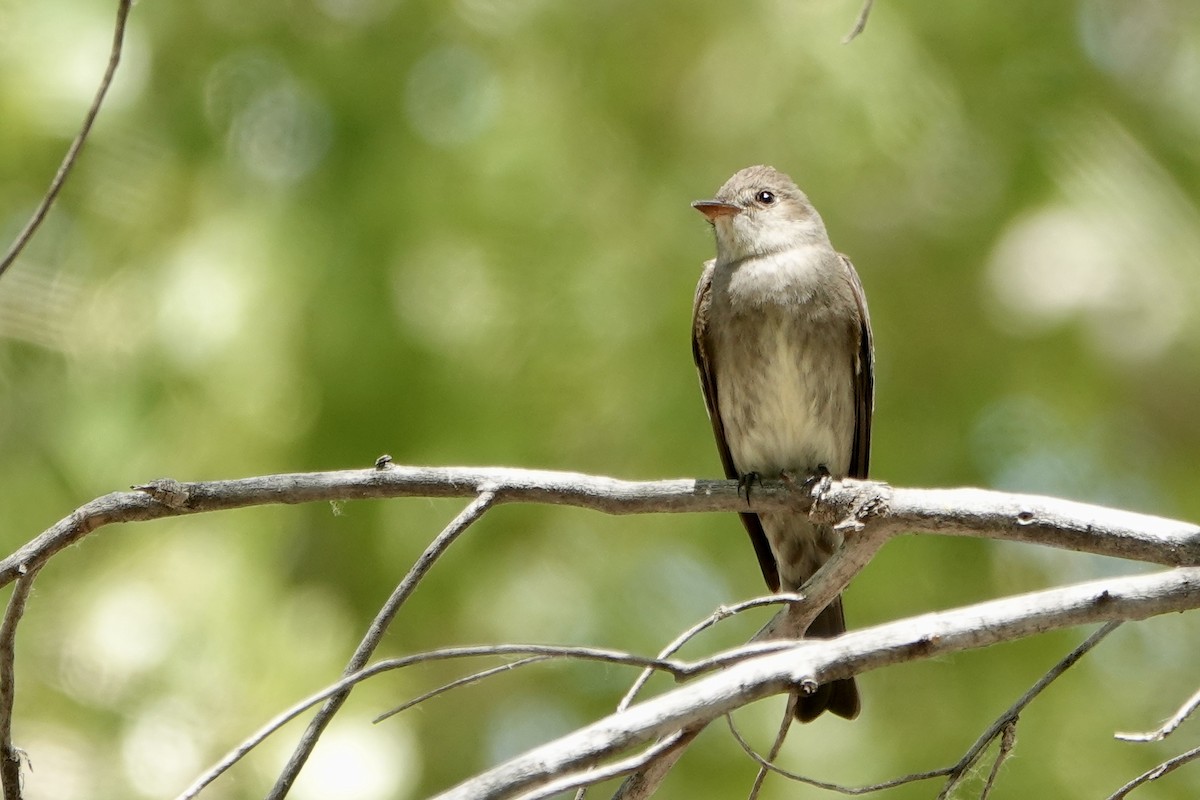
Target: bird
782, 341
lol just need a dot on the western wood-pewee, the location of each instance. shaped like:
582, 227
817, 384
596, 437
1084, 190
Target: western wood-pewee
782, 340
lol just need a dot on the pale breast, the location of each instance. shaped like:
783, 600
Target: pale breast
785, 389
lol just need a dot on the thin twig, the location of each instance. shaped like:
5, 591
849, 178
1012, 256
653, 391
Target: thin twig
769, 764
1011, 714
860, 24
10, 756
1168, 727
722, 613
474, 677
1008, 741
379, 626
650, 774
592, 776
856, 551
1004, 728
39, 214
785, 725
449, 653
644, 781
1156, 773
642, 784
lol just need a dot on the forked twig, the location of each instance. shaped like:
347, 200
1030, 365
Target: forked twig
722, 613
1003, 728
1008, 741
1010, 716
1154, 774
341, 686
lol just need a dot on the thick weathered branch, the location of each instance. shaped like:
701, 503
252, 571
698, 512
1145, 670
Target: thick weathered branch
816, 661
865, 506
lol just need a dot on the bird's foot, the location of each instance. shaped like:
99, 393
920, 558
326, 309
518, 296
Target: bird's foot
745, 481
816, 482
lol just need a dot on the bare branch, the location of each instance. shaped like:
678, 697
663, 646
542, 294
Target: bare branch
590, 776
860, 24
867, 513
722, 613
530, 650
39, 214
1004, 728
871, 508
927, 636
10, 756
649, 775
1168, 727
764, 765
644, 782
466, 680
1156, 773
1010, 716
769, 764
379, 626
1017, 518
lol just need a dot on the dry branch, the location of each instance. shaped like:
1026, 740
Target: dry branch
816, 661
859, 507
374, 636
64, 169
868, 513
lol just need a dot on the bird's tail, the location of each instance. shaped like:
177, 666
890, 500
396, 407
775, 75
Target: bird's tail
839, 697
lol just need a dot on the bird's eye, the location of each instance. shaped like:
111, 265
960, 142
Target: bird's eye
765, 197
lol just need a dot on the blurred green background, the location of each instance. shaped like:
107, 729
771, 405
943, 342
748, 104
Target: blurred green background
307, 233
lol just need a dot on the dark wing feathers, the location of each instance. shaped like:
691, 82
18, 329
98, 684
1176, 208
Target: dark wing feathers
864, 381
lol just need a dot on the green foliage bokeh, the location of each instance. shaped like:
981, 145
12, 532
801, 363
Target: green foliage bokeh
307, 233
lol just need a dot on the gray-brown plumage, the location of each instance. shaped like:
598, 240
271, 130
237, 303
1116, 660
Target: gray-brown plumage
782, 340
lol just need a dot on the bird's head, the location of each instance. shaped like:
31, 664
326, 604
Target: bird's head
760, 211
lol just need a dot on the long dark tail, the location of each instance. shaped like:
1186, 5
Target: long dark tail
838, 697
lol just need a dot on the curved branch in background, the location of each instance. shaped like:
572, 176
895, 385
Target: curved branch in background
60, 177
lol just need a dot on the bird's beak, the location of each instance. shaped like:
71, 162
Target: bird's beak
714, 209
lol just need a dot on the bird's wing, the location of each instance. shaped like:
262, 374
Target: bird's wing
708, 383
864, 380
